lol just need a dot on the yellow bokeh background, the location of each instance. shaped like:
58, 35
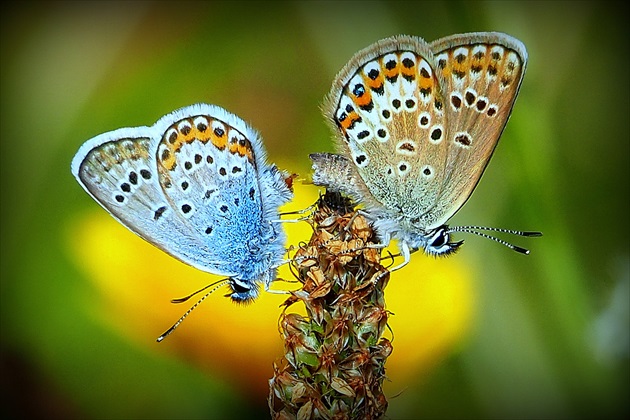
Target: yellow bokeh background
237, 342
486, 333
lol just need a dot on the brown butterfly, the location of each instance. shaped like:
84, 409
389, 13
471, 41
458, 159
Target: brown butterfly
416, 124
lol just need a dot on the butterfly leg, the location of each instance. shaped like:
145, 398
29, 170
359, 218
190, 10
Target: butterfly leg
405, 251
276, 292
308, 209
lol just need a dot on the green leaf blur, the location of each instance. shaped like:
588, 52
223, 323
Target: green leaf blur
551, 330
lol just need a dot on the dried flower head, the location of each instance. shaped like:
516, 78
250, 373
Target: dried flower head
334, 361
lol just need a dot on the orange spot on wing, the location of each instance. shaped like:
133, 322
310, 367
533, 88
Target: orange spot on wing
409, 72
220, 142
426, 83
241, 150
233, 147
376, 83
347, 122
393, 72
364, 99
169, 163
461, 67
202, 136
244, 150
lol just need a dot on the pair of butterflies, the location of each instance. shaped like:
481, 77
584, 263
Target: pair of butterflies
416, 124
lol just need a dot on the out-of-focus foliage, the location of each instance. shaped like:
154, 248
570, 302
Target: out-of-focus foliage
485, 333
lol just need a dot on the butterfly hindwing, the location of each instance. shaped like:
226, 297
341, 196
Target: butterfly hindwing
481, 74
118, 170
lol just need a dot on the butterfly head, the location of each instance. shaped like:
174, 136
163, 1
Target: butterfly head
436, 242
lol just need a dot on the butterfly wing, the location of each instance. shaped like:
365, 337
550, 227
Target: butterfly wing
118, 170
395, 110
166, 184
480, 76
336, 173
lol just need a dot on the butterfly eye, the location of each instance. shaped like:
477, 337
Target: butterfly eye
239, 288
242, 291
438, 243
439, 239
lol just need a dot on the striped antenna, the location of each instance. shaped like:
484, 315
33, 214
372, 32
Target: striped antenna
474, 229
216, 285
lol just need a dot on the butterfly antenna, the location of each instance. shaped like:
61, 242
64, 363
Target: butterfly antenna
185, 298
469, 229
216, 285
510, 231
306, 210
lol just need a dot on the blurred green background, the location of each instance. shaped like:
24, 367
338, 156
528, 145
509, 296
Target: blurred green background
549, 333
